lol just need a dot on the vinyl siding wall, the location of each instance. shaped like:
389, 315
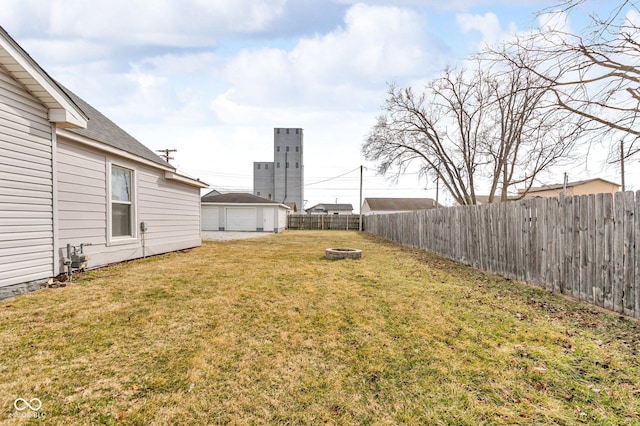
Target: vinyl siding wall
26, 186
170, 209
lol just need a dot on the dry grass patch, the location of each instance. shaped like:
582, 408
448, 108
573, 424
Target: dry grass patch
267, 331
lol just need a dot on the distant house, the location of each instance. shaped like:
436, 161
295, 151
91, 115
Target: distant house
582, 187
331, 209
242, 212
69, 175
396, 205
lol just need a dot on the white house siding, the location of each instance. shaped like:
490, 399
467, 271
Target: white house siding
170, 209
26, 186
282, 220
210, 218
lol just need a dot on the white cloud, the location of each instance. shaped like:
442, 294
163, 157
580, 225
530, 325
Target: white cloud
488, 25
554, 21
453, 4
178, 23
344, 69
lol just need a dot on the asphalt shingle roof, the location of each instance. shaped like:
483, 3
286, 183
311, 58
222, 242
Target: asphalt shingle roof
331, 207
398, 204
236, 197
101, 129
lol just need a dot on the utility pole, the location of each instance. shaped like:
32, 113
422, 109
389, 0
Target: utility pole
622, 162
166, 154
360, 207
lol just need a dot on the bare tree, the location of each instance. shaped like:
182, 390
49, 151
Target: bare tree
596, 74
472, 126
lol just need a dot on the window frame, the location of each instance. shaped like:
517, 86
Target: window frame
122, 239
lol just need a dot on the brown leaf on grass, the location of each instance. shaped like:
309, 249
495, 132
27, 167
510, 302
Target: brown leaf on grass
122, 415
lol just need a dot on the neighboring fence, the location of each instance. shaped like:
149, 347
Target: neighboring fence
587, 247
349, 222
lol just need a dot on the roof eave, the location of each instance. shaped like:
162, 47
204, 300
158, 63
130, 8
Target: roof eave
226, 203
185, 179
62, 110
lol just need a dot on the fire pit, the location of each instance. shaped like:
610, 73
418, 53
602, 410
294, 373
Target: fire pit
343, 253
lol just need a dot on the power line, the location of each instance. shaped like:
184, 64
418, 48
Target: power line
332, 178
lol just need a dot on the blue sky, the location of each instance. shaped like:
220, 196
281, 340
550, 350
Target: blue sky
212, 78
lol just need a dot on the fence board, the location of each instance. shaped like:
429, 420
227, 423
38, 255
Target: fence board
628, 254
637, 256
323, 222
607, 247
618, 234
584, 246
599, 266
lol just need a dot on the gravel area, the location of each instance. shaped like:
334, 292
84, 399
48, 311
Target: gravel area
231, 235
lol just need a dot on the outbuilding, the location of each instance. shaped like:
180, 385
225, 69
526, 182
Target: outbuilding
238, 211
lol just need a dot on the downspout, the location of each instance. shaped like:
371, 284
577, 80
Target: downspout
286, 178
57, 268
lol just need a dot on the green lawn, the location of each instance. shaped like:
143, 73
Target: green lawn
267, 331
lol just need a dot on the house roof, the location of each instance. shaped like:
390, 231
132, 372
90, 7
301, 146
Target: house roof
72, 114
569, 185
398, 204
62, 110
238, 198
329, 206
103, 130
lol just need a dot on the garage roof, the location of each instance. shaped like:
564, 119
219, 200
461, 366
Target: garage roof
238, 198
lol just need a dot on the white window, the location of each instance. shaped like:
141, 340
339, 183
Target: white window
121, 202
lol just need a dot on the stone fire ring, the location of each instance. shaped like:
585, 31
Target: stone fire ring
343, 253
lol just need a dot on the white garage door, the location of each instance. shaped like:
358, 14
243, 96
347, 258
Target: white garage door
241, 219
210, 218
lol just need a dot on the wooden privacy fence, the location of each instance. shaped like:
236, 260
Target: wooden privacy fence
324, 221
585, 246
